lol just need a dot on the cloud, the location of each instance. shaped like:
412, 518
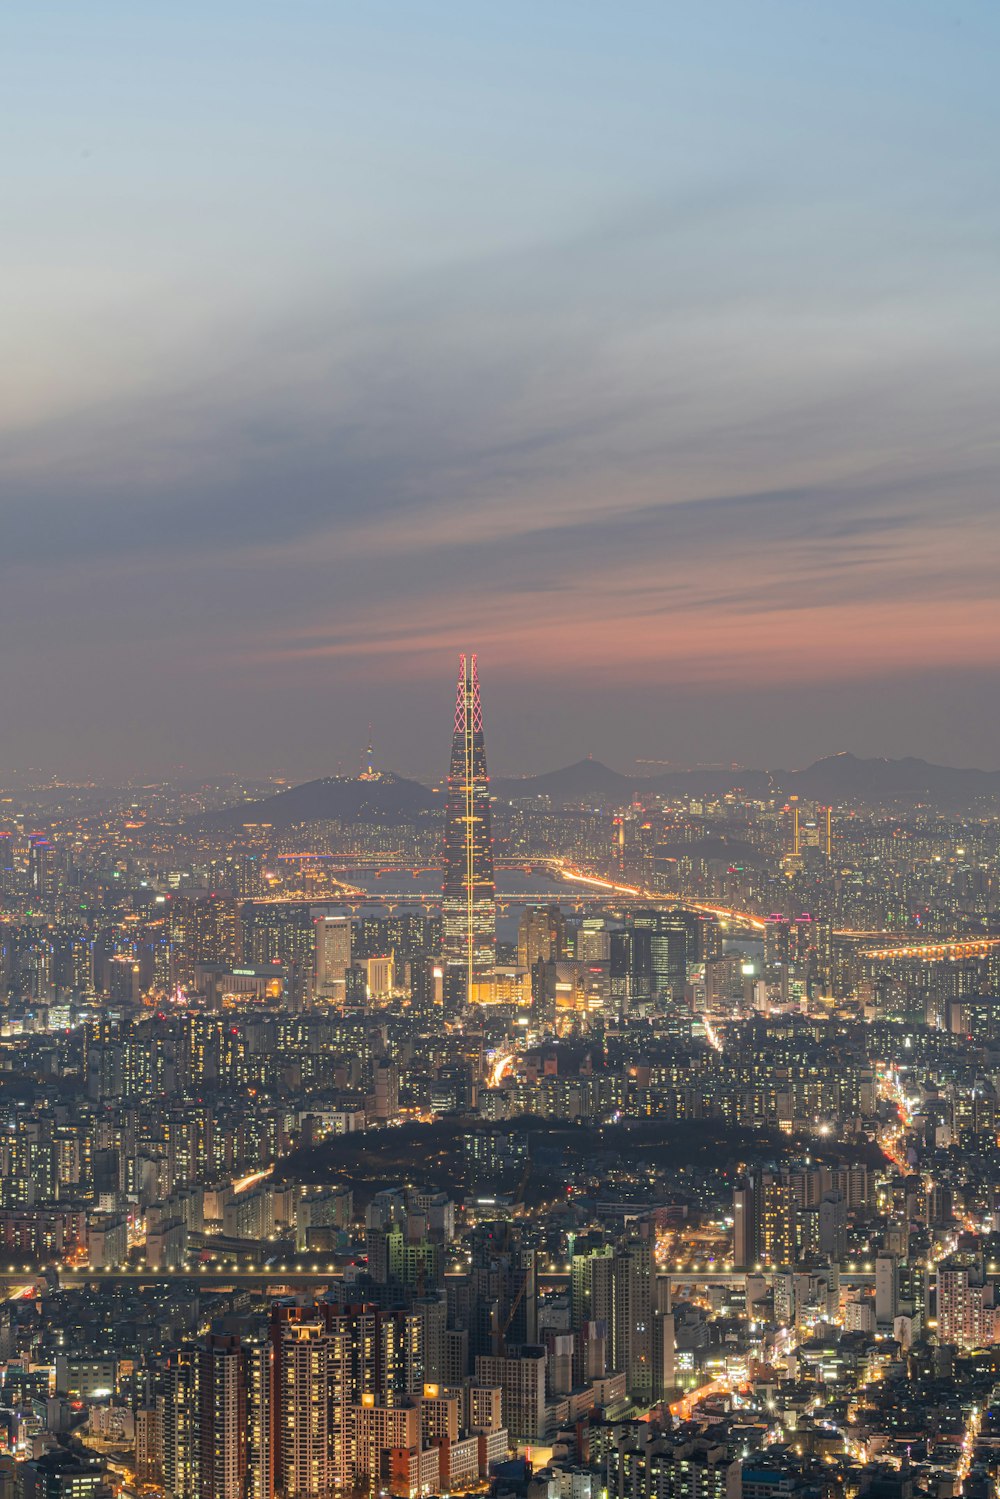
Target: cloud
596, 451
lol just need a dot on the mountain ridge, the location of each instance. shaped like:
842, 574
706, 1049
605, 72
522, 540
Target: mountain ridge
841, 776
394, 799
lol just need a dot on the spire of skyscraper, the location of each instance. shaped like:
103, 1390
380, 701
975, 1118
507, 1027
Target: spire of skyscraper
469, 904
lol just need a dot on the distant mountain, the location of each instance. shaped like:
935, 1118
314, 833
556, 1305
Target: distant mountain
391, 799
838, 778
591, 781
587, 780
845, 777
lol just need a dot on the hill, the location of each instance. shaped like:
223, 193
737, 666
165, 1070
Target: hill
596, 783
845, 777
835, 779
391, 799
586, 780
434, 1153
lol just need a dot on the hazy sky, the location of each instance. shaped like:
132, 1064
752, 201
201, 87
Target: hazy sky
651, 349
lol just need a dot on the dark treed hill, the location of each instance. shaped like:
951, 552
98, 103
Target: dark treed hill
433, 1155
391, 799
734, 850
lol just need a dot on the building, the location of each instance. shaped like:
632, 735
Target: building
541, 935
84, 1378
203, 1428
521, 1377
965, 1304
631, 970
503, 1287
220, 1419
328, 1360
149, 1445
333, 953
632, 1324
658, 1468
469, 893
376, 1429
764, 1220
672, 938
178, 1425
379, 976
65, 1473
385, 1094
107, 1240
305, 1456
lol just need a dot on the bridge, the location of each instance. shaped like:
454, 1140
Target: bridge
278, 1276
953, 949
586, 889
354, 899
200, 1275
704, 1276
599, 891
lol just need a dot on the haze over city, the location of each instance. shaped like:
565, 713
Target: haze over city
645, 350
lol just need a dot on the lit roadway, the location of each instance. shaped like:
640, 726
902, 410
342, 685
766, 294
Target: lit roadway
501, 1064
215, 1275
936, 952
958, 947
597, 890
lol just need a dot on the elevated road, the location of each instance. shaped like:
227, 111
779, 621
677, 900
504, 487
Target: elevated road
591, 890
217, 1277
202, 1275
936, 952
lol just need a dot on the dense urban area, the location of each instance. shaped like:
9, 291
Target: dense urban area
580, 1137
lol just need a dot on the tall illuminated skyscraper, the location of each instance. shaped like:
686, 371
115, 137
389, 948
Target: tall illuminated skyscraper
469, 922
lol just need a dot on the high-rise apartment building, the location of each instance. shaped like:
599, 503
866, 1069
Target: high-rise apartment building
520, 1375
221, 1415
303, 1448
965, 1303
205, 1421
764, 1220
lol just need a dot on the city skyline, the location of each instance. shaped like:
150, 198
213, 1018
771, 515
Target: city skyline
582, 1081
651, 358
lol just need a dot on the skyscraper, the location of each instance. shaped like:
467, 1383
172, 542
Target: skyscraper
221, 1417
205, 1421
764, 1220
469, 904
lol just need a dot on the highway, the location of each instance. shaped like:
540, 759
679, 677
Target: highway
217, 1276
936, 952
212, 1275
599, 891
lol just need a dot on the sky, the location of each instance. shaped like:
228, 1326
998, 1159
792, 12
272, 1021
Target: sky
650, 350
